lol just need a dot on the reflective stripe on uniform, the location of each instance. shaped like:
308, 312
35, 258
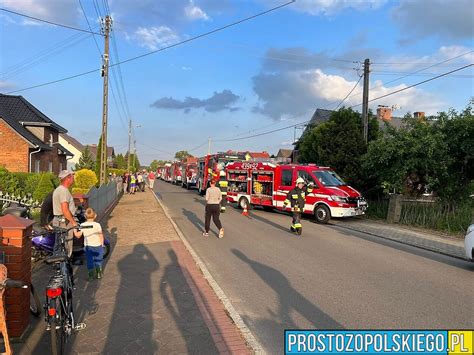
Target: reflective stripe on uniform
223, 183
297, 225
294, 196
286, 202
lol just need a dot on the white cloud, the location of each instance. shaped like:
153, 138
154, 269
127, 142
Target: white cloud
61, 11
185, 68
194, 12
286, 94
155, 37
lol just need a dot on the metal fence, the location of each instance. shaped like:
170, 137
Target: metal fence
101, 198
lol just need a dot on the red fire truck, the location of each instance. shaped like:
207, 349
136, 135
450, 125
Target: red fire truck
176, 174
266, 184
210, 165
189, 172
166, 175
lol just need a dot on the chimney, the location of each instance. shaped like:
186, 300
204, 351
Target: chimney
384, 113
419, 115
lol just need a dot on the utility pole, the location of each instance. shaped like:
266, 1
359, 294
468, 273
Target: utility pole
129, 143
135, 154
105, 106
209, 147
365, 100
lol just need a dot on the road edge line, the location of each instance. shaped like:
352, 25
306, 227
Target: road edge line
244, 330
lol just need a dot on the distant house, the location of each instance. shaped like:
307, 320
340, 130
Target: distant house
284, 156
258, 156
110, 154
74, 146
29, 139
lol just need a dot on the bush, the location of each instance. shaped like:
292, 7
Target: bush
45, 186
32, 182
84, 180
8, 182
118, 172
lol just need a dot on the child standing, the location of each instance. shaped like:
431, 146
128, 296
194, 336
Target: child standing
93, 244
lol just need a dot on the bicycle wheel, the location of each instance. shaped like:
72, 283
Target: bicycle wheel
58, 331
35, 304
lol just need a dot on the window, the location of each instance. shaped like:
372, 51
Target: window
50, 139
329, 178
50, 166
305, 176
37, 166
287, 177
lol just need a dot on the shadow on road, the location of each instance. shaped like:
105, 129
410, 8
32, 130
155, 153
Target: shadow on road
289, 299
196, 221
181, 305
270, 223
132, 313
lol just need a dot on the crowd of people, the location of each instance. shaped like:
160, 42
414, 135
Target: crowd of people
135, 182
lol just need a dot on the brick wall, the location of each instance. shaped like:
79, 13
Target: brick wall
14, 149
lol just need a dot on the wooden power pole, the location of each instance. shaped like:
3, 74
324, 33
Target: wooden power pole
129, 143
105, 105
365, 100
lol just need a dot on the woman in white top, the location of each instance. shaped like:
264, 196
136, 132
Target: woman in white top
94, 245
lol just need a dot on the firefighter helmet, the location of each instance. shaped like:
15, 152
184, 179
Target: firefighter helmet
299, 181
222, 173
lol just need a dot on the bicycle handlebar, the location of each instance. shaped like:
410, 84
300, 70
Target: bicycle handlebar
60, 230
9, 283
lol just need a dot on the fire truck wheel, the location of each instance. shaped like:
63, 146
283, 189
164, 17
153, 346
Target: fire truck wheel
322, 214
244, 202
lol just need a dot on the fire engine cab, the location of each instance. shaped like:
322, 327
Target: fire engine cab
210, 166
266, 184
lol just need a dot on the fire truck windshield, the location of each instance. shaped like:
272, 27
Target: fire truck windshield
328, 178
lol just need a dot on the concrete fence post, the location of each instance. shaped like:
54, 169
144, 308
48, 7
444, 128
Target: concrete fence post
394, 208
16, 246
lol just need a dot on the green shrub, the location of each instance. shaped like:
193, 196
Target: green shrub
8, 182
84, 179
45, 186
118, 172
31, 183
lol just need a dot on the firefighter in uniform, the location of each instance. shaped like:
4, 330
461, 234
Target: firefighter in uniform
222, 184
297, 198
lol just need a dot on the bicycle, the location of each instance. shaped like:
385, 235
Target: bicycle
5, 284
59, 313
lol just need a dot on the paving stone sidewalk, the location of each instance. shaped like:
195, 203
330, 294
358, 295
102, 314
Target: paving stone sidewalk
153, 299
447, 245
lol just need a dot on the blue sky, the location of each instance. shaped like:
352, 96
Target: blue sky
268, 73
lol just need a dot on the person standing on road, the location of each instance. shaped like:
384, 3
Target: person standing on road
64, 207
297, 198
213, 200
151, 179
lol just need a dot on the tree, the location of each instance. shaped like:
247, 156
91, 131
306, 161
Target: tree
154, 165
339, 143
98, 158
120, 162
426, 156
182, 154
86, 161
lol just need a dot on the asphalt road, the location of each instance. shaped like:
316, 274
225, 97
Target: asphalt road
330, 278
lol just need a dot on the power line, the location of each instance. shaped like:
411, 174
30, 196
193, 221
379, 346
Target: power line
90, 28
209, 32
419, 83
306, 122
161, 49
49, 22
350, 92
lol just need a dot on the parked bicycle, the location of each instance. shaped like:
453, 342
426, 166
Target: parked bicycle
59, 312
